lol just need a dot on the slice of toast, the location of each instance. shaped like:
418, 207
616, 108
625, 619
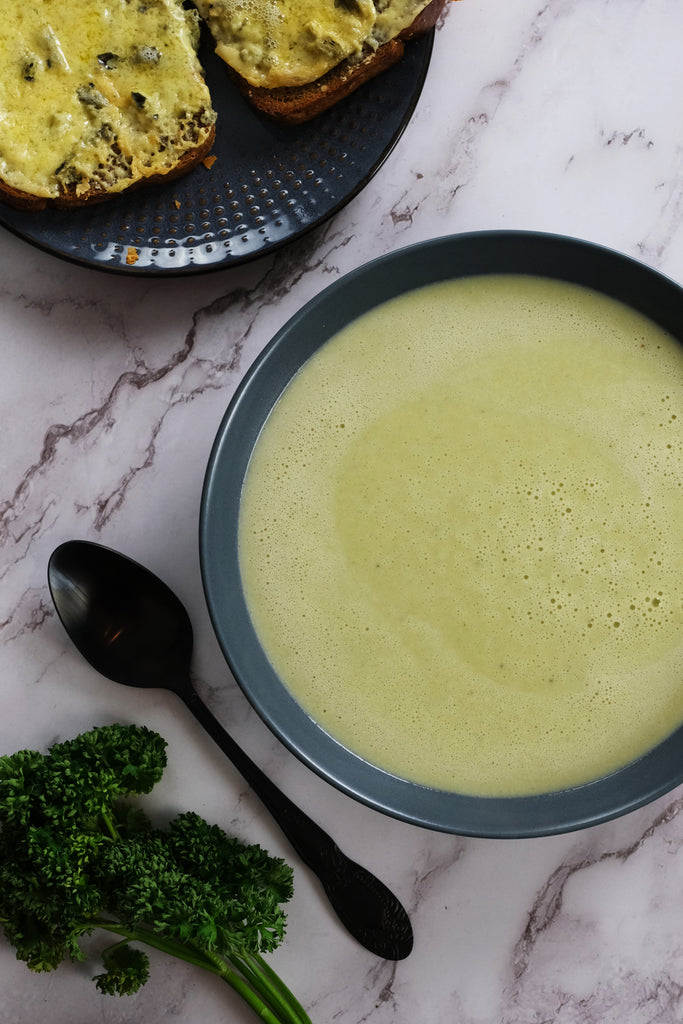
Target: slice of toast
295, 104
96, 99
272, 43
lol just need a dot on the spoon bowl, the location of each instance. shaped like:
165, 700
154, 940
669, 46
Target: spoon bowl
126, 622
131, 627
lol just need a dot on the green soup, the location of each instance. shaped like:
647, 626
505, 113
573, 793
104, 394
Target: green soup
460, 539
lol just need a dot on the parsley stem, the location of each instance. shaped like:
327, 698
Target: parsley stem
109, 822
254, 981
271, 987
277, 982
172, 947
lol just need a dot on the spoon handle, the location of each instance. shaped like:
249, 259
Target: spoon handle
365, 906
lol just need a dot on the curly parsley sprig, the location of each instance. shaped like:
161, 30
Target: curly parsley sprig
76, 856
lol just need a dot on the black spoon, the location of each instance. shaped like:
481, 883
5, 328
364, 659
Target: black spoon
134, 630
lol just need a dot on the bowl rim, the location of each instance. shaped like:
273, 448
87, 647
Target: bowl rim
446, 257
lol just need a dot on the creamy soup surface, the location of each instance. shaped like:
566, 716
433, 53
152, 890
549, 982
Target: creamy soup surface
460, 535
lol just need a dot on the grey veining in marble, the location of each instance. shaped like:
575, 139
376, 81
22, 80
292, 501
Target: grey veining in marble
556, 115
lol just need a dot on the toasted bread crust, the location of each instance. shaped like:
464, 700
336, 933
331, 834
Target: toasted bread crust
25, 201
298, 104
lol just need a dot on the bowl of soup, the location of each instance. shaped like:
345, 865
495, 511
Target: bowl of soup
440, 534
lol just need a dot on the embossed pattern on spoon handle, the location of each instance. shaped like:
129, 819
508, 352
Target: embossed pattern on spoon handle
364, 905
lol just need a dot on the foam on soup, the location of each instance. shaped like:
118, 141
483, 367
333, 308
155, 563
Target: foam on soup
460, 538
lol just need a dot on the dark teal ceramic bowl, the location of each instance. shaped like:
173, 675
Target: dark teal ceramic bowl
440, 259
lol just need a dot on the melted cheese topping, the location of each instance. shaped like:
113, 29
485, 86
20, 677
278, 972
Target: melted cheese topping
96, 96
274, 43
393, 16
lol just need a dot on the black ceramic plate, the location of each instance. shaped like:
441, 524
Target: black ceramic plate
441, 259
269, 184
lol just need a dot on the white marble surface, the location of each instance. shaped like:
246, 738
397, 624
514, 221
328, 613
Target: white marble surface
558, 115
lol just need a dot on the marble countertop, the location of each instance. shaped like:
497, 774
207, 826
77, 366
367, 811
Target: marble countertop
553, 115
